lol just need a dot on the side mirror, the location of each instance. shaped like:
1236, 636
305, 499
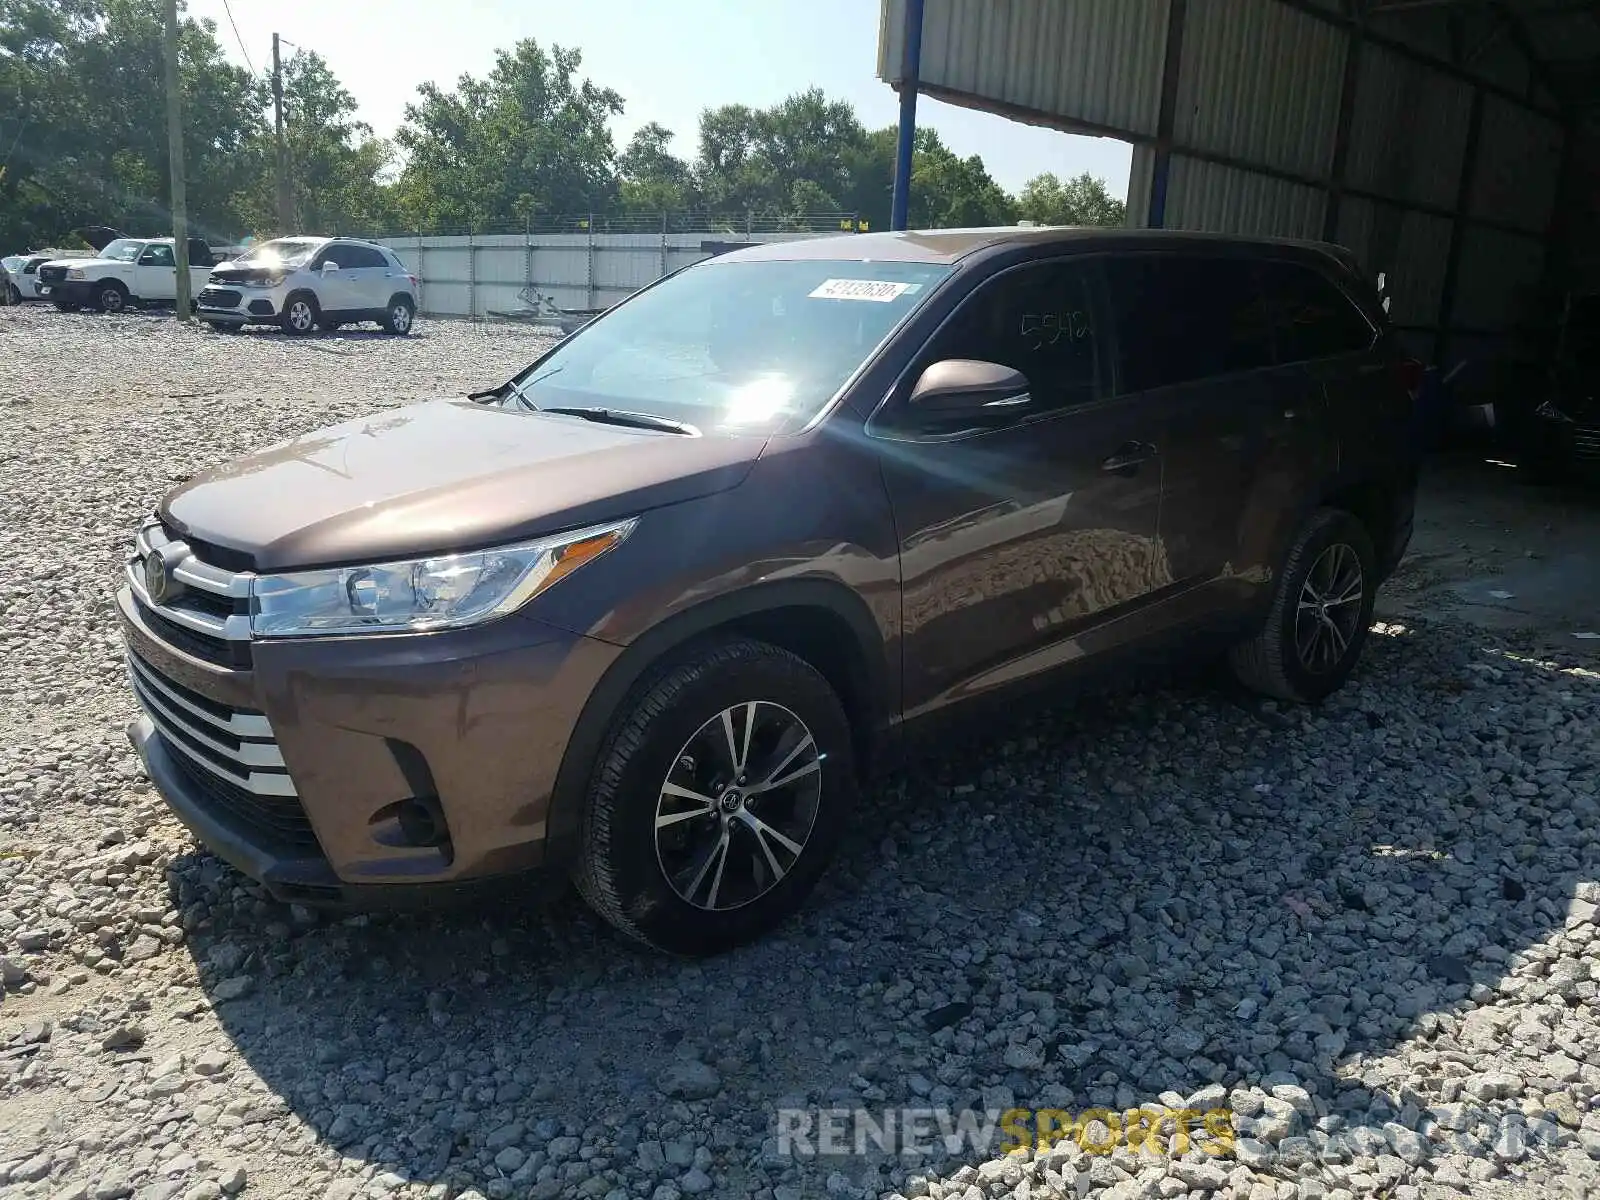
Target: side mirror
329, 266
971, 389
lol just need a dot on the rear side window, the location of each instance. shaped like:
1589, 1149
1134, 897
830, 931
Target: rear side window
1311, 317
1035, 319
354, 258
1182, 318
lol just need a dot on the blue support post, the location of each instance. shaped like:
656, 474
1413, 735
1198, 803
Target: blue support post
911, 69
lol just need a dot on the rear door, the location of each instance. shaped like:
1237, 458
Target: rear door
1319, 329
1194, 338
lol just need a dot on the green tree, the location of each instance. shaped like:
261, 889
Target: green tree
1079, 201
531, 137
653, 179
951, 192
83, 119
335, 163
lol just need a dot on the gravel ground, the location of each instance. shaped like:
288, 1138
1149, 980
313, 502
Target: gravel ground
1365, 931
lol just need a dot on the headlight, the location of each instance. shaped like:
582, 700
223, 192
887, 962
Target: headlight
75, 273
425, 593
270, 281
1550, 412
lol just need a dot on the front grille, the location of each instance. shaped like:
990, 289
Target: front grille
231, 757
205, 608
261, 308
1586, 442
219, 298
52, 274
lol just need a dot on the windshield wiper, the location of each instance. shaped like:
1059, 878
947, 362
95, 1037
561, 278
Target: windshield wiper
618, 416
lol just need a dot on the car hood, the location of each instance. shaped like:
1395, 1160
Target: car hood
443, 476
82, 263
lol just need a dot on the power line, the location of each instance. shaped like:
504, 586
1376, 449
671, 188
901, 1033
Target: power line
237, 38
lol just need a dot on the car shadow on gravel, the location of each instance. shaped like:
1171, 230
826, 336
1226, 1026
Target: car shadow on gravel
1102, 904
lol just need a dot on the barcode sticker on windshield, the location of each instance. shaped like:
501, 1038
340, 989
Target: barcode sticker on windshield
862, 289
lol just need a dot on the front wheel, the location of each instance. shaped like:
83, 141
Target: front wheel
299, 315
111, 298
13, 295
1320, 613
718, 798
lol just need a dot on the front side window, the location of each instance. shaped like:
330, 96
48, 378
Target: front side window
733, 345
1311, 317
1182, 318
1035, 319
157, 256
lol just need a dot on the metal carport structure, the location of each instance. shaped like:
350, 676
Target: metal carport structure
1449, 143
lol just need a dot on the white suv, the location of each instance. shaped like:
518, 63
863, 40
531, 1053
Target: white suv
301, 283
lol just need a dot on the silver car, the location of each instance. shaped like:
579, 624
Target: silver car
305, 283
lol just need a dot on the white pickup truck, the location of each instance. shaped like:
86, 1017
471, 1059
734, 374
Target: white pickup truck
125, 272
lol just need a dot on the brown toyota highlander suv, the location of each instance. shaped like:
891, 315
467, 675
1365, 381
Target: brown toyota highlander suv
646, 615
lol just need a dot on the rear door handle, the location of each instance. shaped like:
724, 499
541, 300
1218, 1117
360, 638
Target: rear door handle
1128, 457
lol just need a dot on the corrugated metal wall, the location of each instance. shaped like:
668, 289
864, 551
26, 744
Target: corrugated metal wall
1257, 106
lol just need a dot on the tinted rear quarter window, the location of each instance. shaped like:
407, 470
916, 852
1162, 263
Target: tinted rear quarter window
1312, 318
1181, 318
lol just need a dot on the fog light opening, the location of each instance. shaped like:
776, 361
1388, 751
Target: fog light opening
422, 821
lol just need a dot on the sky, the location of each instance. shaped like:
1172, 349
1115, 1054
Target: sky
669, 59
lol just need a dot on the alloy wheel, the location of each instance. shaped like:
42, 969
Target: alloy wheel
300, 316
400, 318
738, 806
1329, 612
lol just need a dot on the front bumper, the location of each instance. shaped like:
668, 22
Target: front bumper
236, 304
1571, 445
477, 718
70, 291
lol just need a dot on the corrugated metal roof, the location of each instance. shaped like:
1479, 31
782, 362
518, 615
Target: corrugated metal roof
1202, 195
1260, 82
1095, 61
1519, 163
1408, 130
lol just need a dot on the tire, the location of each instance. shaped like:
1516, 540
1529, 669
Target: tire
13, 295
111, 297
300, 314
398, 317
1275, 662
670, 734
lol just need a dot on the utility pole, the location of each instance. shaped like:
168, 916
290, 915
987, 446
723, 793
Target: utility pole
285, 204
180, 220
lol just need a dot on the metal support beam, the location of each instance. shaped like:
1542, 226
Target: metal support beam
1341, 133
910, 72
1171, 66
1452, 262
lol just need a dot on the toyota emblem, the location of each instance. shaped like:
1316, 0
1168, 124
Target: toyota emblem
156, 580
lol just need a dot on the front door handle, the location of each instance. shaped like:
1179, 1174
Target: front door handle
1128, 457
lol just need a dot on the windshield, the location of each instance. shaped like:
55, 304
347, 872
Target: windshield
282, 252
122, 250
734, 345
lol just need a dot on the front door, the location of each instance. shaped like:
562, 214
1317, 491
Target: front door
1015, 539
155, 275
336, 279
